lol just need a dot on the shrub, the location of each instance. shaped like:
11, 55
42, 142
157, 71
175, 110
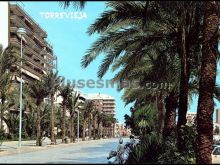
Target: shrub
171, 155
147, 151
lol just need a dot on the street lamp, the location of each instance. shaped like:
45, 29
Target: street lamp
21, 32
77, 125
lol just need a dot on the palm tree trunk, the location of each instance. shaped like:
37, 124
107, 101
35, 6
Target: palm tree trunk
64, 124
90, 127
38, 138
184, 79
94, 126
170, 115
207, 84
52, 122
2, 111
84, 130
72, 130
98, 126
160, 112
1, 117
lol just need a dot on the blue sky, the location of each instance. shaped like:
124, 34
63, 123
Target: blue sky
70, 42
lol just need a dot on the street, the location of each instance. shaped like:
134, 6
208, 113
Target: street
94, 151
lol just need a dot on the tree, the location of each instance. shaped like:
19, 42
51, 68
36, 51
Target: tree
73, 105
65, 91
52, 81
29, 108
207, 83
75, 4
107, 120
130, 30
86, 110
38, 90
7, 59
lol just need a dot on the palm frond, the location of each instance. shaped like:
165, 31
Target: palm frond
76, 4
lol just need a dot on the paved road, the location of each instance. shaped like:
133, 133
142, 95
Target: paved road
83, 152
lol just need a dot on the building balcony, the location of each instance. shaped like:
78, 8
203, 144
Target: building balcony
108, 107
109, 101
26, 69
51, 56
16, 42
28, 49
17, 10
50, 66
33, 64
18, 22
35, 41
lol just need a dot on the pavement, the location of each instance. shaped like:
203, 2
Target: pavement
92, 151
11, 147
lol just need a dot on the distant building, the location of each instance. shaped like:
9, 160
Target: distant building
108, 102
59, 99
120, 130
190, 117
38, 56
218, 116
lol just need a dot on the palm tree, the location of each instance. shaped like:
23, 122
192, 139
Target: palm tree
130, 30
207, 83
86, 109
90, 126
73, 105
53, 81
161, 66
12, 121
7, 59
107, 120
171, 104
28, 109
75, 4
96, 110
65, 91
38, 90
101, 117
5, 85
45, 119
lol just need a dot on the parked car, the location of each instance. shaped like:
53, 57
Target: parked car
215, 145
216, 154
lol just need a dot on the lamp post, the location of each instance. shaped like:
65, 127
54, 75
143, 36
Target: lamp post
77, 125
21, 32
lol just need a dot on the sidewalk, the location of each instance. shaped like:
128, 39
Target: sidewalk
10, 148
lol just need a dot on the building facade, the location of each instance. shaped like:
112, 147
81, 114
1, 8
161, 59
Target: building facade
38, 56
190, 117
218, 116
105, 104
120, 130
108, 102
